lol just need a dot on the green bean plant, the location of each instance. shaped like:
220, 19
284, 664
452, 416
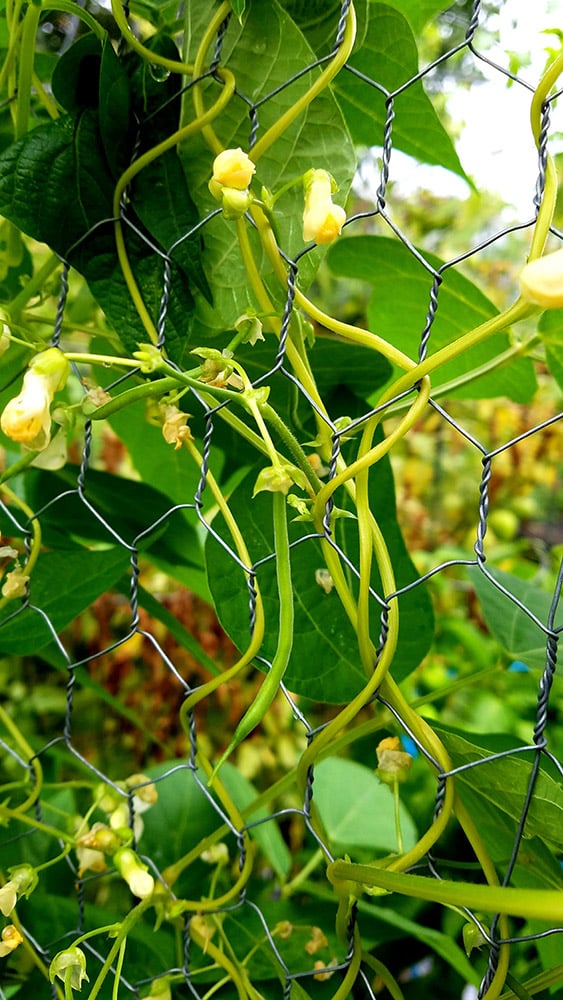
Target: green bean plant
176, 195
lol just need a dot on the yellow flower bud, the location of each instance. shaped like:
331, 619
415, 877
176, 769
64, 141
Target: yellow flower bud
134, 872
232, 169
322, 220
541, 281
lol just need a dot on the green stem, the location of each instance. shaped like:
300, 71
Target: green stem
313, 862
383, 972
291, 443
19, 466
25, 72
152, 58
447, 388
532, 904
118, 970
157, 388
70, 7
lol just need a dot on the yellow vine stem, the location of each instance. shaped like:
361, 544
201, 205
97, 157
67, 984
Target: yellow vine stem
333, 563
222, 962
29, 753
322, 81
125, 927
259, 626
547, 207
207, 132
192, 128
344, 990
172, 65
27, 569
488, 868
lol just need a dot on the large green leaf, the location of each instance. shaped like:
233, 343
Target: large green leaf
357, 810
389, 57
502, 784
399, 306
324, 663
62, 585
263, 55
520, 637
419, 12
128, 507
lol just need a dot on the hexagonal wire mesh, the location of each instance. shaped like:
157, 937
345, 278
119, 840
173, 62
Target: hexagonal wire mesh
256, 907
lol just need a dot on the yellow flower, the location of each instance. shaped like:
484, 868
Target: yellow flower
327, 970
92, 845
317, 941
11, 939
541, 281
175, 428
27, 418
15, 584
232, 168
322, 220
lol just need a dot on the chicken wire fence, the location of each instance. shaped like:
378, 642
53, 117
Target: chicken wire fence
195, 965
